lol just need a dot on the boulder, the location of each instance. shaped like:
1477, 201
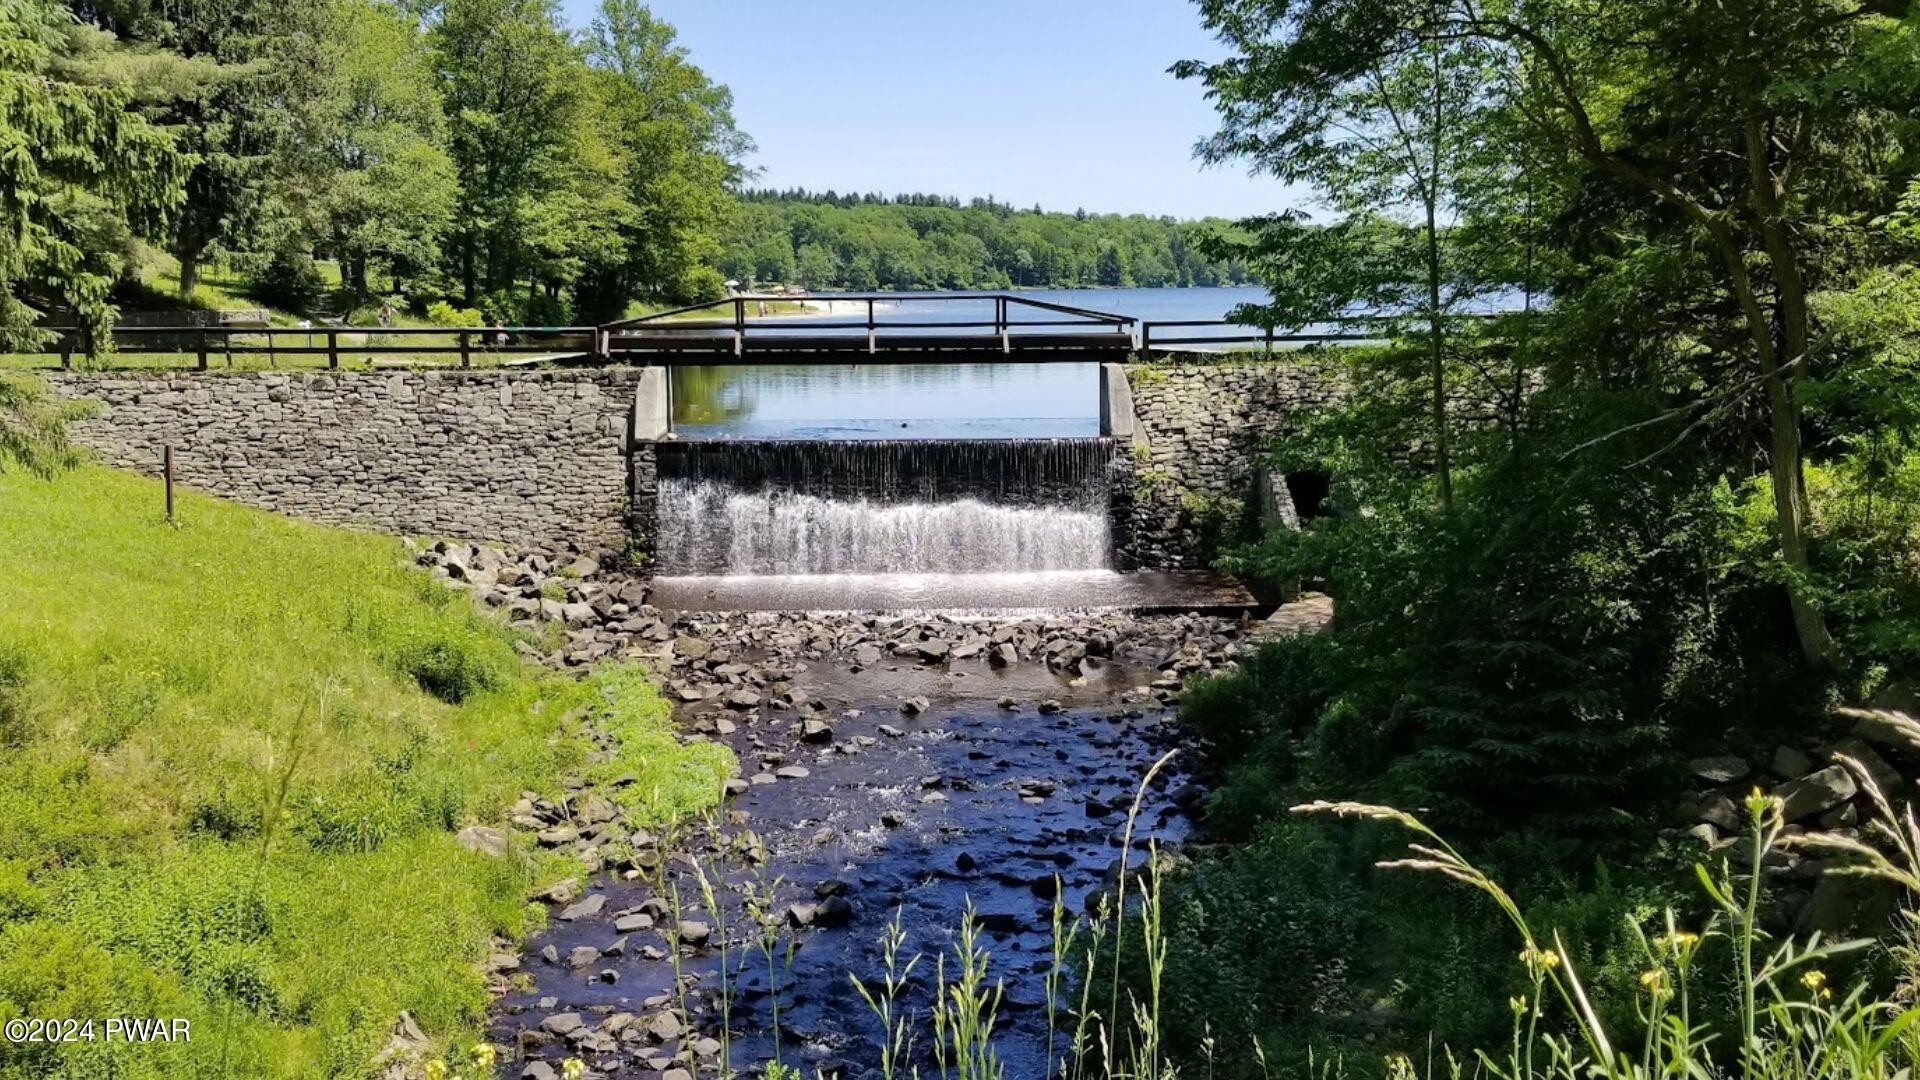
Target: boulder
1790, 763
482, 840
1816, 793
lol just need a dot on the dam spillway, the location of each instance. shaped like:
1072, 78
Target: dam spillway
873, 507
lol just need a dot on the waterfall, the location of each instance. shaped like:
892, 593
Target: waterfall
884, 507
709, 528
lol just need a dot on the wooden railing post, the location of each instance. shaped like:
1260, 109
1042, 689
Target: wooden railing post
466, 354
1269, 342
739, 325
166, 467
1146, 339
200, 348
333, 349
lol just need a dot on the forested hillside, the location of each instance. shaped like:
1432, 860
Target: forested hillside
475, 152
825, 240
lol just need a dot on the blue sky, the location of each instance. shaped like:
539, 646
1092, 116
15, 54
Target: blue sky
1062, 102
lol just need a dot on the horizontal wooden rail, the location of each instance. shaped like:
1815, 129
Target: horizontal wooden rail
231, 340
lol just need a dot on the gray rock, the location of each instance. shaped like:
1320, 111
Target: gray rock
695, 933
482, 840
1719, 770
582, 956
816, 731
1816, 793
833, 912
585, 909
1790, 763
538, 1070
914, 706
562, 1024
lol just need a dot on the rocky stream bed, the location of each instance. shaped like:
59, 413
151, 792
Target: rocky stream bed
894, 769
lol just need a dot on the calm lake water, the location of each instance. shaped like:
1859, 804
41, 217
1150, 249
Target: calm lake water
925, 401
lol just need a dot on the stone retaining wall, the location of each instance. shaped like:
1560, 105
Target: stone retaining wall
1198, 431
535, 459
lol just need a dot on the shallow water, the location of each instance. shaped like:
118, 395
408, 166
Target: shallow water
969, 807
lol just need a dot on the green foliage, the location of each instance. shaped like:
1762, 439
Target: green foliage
864, 242
81, 171
225, 797
33, 425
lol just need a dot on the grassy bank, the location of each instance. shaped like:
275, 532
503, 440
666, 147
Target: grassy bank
226, 796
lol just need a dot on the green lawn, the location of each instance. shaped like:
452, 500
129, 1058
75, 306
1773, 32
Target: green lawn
225, 796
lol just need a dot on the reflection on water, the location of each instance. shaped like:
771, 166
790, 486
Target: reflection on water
906, 401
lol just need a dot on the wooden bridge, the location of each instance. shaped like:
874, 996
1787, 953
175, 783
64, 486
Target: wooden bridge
879, 328
751, 328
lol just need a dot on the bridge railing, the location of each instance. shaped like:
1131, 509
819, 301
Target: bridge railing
797, 326
1176, 335
202, 347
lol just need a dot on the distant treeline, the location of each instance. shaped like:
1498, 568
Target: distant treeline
829, 240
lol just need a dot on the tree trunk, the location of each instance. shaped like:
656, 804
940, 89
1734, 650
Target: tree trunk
1436, 328
466, 271
358, 278
1786, 466
189, 272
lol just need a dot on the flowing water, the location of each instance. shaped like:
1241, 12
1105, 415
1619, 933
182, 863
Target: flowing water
713, 529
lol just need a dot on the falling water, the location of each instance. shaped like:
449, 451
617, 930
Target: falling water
712, 528
884, 507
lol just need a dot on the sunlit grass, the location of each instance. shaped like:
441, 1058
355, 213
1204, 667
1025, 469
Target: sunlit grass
224, 794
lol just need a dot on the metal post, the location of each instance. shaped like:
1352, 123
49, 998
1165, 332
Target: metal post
871, 348
333, 349
1000, 323
739, 325
466, 358
166, 467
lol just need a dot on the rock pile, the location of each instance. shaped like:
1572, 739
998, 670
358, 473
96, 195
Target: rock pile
1822, 785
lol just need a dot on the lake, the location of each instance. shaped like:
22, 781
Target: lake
925, 401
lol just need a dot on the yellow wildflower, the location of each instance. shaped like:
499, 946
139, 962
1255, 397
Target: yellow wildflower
1759, 803
573, 1069
1539, 961
1815, 981
1654, 981
483, 1055
1680, 941
436, 1070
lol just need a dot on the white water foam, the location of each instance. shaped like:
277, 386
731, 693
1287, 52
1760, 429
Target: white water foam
710, 528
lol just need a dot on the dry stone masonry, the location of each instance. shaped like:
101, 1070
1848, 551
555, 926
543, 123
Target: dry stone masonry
1199, 430
534, 458
552, 459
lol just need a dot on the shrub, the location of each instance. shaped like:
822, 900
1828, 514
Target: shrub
451, 666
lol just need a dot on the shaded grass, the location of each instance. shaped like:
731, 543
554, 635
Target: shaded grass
227, 794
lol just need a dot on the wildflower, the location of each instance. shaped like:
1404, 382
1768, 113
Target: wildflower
483, 1055
1759, 804
1654, 981
573, 1069
436, 1070
1518, 1005
1815, 981
1539, 961
1679, 941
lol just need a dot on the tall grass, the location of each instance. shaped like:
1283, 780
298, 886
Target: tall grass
1791, 1017
234, 751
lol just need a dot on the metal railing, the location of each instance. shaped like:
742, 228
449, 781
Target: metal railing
1016, 325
